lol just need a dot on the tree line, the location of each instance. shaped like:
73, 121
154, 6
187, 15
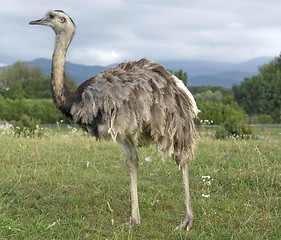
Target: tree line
261, 94
25, 90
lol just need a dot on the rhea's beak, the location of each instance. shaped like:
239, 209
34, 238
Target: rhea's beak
41, 21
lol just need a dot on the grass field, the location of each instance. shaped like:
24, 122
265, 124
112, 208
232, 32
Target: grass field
74, 187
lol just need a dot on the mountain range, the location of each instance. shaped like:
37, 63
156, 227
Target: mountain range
199, 72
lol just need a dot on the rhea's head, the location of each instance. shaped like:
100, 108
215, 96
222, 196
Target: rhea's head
58, 20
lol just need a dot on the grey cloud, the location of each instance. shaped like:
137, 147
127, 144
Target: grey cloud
117, 30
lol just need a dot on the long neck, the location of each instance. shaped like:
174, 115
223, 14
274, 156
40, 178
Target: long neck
61, 93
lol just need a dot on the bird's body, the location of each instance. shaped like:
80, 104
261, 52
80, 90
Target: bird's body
137, 100
134, 103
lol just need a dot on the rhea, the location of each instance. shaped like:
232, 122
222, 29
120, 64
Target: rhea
134, 104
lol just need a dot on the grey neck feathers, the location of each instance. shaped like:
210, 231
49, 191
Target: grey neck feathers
61, 93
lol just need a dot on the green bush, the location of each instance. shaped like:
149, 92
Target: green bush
235, 127
219, 112
264, 118
28, 127
221, 133
43, 109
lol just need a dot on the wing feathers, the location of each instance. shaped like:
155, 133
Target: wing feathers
140, 100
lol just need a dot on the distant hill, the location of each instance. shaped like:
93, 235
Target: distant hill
217, 73
199, 72
224, 79
79, 72
197, 68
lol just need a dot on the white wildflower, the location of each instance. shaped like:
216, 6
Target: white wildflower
205, 195
204, 177
7, 129
22, 147
206, 186
73, 129
148, 159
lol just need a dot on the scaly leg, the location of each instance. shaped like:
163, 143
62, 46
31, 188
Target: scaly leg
132, 164
188, 216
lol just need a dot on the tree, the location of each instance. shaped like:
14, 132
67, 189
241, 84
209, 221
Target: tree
219, 112
25, 91
209, 96
24, 81
180, 75
251, 95
19, 72
201, 89
260, 94
41, 109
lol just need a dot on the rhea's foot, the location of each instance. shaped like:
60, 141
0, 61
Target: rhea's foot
186, 224
131, 223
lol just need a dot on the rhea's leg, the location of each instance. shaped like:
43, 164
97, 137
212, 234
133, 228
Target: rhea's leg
132, 164
188, 216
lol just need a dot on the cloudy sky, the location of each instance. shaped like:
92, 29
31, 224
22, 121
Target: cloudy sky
111, 31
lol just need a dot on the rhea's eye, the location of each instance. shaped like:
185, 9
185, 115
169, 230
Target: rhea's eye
51, 16
62, 19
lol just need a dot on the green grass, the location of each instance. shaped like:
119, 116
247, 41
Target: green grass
48, 192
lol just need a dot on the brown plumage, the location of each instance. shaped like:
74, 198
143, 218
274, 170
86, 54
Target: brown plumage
134, 103
139, 100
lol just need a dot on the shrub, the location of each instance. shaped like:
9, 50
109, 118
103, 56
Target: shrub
263, 118
221, 133
28, 127
235, 127
43, 109
219, 112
